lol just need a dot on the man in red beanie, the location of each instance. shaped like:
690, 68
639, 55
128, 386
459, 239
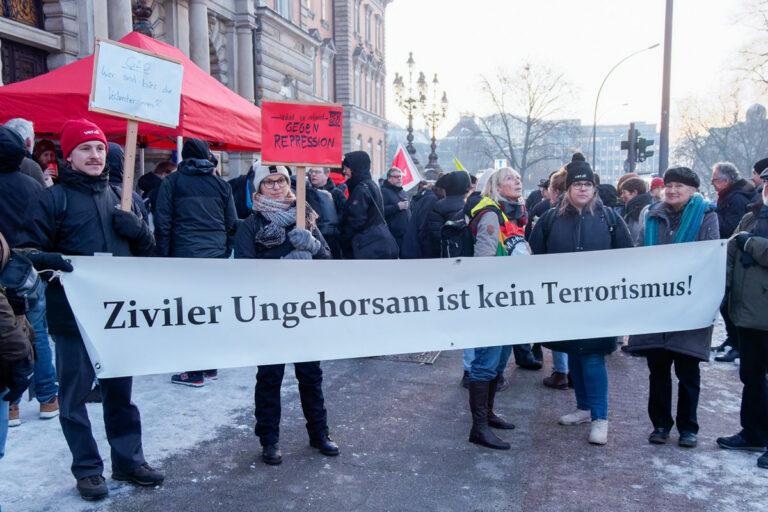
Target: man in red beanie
81, 215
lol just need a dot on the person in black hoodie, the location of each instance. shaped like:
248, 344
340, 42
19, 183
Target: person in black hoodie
456, 185
396, 205
195, 217
421, 204
364, 233
242, 192
17, 190
115, 163
81, 216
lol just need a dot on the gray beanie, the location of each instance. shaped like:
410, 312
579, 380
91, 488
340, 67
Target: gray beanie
263, 171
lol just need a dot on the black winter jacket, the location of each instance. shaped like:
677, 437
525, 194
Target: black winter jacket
577, 232
246, 246
74, 217
363, 209
242, 187
195, 216
17, 190
115, 163
732, 205
421, 205
449, 208
397, 219
337, 192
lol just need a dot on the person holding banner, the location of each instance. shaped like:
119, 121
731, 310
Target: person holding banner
498, 232
747, 281
582, 223
271, 233
364, 231
684, 216
81, 216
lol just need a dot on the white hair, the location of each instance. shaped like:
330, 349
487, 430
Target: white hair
728, 170
24, 128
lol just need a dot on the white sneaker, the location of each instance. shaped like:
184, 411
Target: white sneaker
576, 418
599, 432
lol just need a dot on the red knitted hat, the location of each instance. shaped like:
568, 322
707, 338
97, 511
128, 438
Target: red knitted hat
657, 183
76, 131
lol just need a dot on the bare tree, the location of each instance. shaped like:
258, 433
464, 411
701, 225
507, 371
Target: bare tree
528, 125
754, 54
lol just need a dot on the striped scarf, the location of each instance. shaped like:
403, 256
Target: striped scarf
690, 223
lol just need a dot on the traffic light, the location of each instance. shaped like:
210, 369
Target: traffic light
642, 149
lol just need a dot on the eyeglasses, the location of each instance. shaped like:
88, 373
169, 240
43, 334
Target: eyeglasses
584, 185
396, 176
275, 183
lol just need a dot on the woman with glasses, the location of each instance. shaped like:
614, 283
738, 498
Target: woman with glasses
271, 233
581, 223
683, 216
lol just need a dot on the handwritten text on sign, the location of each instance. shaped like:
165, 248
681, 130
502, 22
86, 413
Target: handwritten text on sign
136, 85
295, 133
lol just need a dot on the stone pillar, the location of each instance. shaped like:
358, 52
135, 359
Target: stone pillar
182, 26
245, 62
100, 20
120, 14
199, 50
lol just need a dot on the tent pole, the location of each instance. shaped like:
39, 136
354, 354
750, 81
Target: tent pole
179, 145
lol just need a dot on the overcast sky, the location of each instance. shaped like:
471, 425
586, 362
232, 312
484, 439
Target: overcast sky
584, 38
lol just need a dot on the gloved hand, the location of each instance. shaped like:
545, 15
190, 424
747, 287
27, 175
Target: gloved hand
297, 255
20, 379
127, 224
49, 261
741, 239
303, 240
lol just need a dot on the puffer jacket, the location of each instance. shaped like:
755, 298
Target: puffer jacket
695, 342
747, 281
195, 215
449, 208
575, 231
421, 204
732, 205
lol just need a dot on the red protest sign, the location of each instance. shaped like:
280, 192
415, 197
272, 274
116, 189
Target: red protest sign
301, 134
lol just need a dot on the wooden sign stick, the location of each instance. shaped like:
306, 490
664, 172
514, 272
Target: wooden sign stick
301, 197
130, 160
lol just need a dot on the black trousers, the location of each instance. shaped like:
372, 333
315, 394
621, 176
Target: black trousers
267, 397
660, 363
754, 398
731, 331
121, 417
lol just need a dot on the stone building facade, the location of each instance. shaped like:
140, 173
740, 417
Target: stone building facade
303, 50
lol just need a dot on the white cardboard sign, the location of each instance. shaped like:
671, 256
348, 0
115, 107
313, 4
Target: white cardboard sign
137, 85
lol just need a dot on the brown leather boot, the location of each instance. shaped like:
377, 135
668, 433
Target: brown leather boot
557, 381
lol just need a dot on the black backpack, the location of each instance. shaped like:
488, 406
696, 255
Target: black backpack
456, 240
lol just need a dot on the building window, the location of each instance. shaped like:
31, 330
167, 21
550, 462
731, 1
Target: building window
356, 16
325, 87
359, 143
368, 95
378, 97
368, 23
283, 8
29, 12
358, 89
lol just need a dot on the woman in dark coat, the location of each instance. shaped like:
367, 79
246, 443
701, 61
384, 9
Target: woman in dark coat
582, 223
271, 233
683, 216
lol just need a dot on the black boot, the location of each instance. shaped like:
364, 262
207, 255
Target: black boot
493, 420
478, 403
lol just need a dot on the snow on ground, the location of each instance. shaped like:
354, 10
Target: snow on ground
35, 474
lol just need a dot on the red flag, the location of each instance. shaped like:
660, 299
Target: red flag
411, 175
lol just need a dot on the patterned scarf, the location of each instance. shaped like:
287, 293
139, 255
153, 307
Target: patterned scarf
281, 213
690, 223
507, 229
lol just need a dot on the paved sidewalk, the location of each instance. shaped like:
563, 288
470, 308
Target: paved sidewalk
402, 429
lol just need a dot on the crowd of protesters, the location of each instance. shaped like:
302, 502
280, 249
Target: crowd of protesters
60, 201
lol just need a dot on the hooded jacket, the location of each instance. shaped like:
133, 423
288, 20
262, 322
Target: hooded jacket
74, 217
242, 193
364, 232
115, 165
733, 204
195, 215
397, 219
17, 190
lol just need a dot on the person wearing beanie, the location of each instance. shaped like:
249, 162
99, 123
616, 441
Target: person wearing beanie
17, 191
578, 157
195, 217
746, 282
456, 185
115, 162
684, 216
657, 189
580, 222
364, 232
270, 232
81, 216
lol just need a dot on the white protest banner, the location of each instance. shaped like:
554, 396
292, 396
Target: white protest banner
146, 315
131, 83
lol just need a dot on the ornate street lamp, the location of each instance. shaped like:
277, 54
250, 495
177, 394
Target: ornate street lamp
410, 100
434, 112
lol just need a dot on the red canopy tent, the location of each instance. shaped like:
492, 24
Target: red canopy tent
209, 110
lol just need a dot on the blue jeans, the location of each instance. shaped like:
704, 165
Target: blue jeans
469, 355
489, 362
559, 362
44, 379
590, 382
3, 422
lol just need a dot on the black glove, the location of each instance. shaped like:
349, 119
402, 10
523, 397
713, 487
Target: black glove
127, 225
742, 238
20, 379
49, 261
